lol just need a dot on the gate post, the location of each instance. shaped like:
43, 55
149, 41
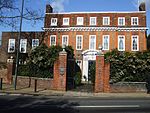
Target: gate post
99, 77
102, 75
60, 68
9, 70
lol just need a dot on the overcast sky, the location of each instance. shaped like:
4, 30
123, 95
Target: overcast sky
77, 6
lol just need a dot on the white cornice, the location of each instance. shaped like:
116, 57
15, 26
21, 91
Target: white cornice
97, 29
99, 12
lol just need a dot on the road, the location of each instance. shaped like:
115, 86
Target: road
45, 104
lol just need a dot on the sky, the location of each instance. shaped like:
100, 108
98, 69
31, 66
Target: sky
78, 6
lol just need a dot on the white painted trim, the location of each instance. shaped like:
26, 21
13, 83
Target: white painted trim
78, 22
53, 24
132, 42
86, 51
23, 45
123, 42
98, 12
103, 42
132, 21
81, 42
66, 24
67, 39
9, 43
97, 29
107, 17
90, 42
50, 39
95, 18
123, 21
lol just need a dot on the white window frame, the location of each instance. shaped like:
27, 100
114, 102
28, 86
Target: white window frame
23, 45
91, 20
80, 20
67, 37
64, 22
121, 36
52, 23
137, 43
79, 64
108, 23
104, 42
78, 42
133, 21
122, 19
51, 44
35, 43
91, 42
10, 45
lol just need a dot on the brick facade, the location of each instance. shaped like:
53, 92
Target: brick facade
4, 54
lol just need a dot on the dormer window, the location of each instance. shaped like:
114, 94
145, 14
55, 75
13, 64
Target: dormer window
53, 21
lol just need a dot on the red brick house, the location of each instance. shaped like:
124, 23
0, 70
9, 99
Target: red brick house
28, 41
87, 31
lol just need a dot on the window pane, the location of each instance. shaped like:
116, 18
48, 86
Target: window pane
35, 43
121, 43
92, 20
106, 42
79, 20
53, 21
65, 40
11, 45
106, 20
53, 40
79, 42
92, 42
23, 45
65, 21
135, 43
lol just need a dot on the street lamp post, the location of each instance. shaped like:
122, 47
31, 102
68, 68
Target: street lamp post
17, 57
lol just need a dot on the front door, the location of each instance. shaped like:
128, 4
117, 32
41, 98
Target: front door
91, 71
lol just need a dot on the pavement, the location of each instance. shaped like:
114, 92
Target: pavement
9, 90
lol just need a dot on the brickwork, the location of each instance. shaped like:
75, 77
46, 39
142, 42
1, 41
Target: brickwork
60, 78
102, 75
30, 82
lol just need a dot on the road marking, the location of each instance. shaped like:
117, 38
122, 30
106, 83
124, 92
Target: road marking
110, 106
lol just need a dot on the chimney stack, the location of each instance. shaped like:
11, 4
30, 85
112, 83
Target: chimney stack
49, 9
142, 6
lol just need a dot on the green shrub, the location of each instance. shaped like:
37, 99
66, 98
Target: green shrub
77, 78
3, 65
128, 67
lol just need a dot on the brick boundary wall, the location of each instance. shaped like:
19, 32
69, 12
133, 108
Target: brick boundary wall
128, 87
45, 83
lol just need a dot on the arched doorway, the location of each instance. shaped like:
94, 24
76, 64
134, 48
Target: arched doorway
89, 58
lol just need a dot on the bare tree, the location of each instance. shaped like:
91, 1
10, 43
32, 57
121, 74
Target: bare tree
10, 14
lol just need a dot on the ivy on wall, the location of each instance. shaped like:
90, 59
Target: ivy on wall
128, 67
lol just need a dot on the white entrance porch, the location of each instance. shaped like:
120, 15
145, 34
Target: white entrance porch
88, 55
